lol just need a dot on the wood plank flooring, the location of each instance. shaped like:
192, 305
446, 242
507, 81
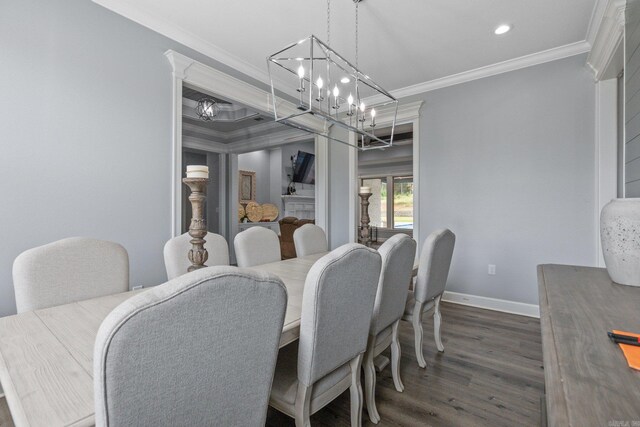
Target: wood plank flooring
490, 374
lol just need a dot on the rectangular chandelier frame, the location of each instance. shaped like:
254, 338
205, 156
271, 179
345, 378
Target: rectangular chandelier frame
324, 77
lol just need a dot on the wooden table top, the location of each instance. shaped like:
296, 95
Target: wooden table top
46, 356
587, 380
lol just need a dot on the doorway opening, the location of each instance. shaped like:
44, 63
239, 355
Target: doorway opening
389, 175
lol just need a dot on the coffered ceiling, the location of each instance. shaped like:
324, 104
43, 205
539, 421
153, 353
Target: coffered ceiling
402, 42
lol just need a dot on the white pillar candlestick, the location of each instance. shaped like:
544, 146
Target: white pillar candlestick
364, 190
198, 171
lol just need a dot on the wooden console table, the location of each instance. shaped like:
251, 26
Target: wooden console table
587, 380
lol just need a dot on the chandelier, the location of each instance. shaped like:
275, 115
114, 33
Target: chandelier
207, 109
330, 87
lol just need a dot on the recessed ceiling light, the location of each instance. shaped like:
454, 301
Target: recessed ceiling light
345, 80
502, 29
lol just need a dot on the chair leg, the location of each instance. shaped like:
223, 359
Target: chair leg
395, 357
303, 406
370, 381
416, 318
356, 392
437, 320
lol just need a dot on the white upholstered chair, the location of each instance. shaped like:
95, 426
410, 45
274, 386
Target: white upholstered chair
336, 314
255, 246
398, 254
189, 352
176, 250
69, 270
433, 271
309, 239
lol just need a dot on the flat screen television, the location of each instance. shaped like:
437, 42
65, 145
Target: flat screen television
304, 168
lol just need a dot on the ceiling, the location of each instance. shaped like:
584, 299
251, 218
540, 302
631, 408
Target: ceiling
402, 43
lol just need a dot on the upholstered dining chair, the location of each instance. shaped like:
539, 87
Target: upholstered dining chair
433, 271
256, 245
176, 250
190, 353
336, 315
309, 239
69, 270
398, 254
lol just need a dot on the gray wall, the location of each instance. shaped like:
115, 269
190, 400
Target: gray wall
86, 133
507, 162
632, 99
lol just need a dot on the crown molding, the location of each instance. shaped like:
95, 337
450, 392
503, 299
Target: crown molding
607, 32
204, 144
596, 19
489, 70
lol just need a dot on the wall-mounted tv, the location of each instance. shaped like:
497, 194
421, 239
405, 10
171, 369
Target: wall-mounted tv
304, 168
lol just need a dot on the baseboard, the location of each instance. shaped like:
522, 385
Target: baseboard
513, 307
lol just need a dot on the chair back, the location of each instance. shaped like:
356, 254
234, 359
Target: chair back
69, 270
435, 261
198, 350
176, 250
398, 254
255, 246
309, 239
336, 310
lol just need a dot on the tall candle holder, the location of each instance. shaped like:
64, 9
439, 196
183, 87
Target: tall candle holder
198, 228
365, 235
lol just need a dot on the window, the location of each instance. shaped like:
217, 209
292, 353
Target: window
391, 202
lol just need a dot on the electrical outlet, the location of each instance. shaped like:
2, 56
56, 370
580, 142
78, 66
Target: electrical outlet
491, 270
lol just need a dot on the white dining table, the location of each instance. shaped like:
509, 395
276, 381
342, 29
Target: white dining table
46, 356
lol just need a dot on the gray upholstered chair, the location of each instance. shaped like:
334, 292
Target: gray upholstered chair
198, 350
398, 254
69, 270
433, 271
176, 251
309, 239
336, 315
255, 246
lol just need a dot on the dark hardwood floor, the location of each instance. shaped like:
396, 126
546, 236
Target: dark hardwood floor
489, 375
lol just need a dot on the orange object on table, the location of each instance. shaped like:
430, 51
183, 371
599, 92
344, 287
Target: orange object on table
631, 352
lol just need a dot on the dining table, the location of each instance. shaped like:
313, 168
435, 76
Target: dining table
46, 355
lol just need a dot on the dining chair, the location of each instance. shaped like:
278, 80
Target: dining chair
336, 314
398, 254
255, 246
190, 352
69, 270
309, 239
433, 271
176, 250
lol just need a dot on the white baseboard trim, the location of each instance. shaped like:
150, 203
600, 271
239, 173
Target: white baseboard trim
513, 307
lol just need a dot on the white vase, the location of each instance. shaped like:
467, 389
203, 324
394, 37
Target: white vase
620, 235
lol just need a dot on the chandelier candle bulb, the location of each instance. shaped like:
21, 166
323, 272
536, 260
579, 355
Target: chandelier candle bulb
319, 83
198, 171
336, 92
301, 75
373, 117
350, 102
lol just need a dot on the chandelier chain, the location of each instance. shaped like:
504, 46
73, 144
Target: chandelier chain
329, 22
357, 34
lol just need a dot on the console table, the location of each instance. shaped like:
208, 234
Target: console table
587, 380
